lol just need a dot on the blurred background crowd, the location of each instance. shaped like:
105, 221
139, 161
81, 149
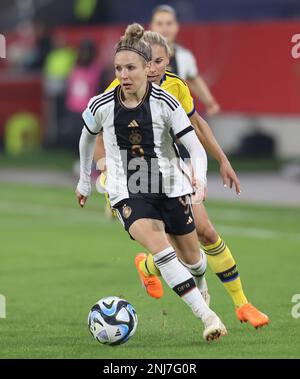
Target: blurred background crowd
58, 54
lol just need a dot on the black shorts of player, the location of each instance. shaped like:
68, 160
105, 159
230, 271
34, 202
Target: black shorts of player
176, 213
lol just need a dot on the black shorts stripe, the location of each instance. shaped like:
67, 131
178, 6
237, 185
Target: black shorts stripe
102, 97
165, 100
89, 130
102, 103
185, 131
185, 287
164, 94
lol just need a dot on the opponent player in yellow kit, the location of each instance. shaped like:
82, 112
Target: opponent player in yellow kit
218, 254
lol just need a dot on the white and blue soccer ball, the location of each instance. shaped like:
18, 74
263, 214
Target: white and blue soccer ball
112, 321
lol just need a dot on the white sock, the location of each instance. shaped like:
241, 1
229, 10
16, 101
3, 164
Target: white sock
181, 281
198, 269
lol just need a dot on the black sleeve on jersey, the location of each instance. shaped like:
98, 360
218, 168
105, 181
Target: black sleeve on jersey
184, 131
94, 134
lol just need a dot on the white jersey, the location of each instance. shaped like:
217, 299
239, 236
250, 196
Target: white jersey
140, 156
183, 63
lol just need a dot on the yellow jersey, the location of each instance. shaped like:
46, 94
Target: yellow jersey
175, 86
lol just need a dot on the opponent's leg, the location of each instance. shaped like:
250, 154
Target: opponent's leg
221, 261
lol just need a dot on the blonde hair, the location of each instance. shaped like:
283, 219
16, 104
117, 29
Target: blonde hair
133, 40
154, 38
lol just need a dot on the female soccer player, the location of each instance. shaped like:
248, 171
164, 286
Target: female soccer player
218, 254
182, 61
136, 118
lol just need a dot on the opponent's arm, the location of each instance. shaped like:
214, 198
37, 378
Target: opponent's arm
201, 90
208, 140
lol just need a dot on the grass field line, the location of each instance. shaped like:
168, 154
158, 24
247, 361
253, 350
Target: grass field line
98, 217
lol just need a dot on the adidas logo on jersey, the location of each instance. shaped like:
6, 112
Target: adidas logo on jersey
189, 221
133, 124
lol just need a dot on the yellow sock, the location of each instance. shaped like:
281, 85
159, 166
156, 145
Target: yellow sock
222, 263
148, 266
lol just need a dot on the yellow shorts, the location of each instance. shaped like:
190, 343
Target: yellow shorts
102, 180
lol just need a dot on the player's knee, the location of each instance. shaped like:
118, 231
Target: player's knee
207, 234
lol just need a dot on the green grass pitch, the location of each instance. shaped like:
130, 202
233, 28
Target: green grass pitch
58, 259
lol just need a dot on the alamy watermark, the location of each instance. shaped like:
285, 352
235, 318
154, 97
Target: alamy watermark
2, 46
145, 176
296, 308
2, 306
296, 48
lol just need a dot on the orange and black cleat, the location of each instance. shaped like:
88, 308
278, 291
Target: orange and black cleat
248, 313
151, 283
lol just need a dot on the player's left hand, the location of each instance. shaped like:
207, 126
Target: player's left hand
81, 199
229, 176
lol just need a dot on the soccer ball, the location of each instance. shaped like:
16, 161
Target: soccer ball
112, 321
